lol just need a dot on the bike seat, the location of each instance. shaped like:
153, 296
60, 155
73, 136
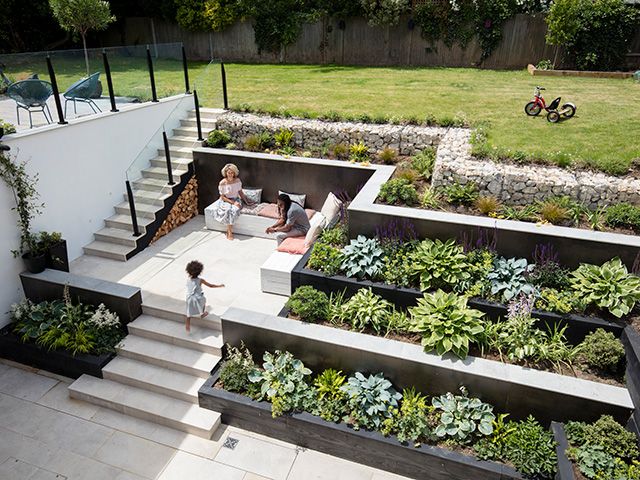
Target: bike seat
554, 105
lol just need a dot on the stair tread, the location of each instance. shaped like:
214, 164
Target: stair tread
142, 207
155, 195
209, 110
163, 170
109, 247
184, 357
116, 233
121, 218
178, 411
194, 139
155, 375
198, 334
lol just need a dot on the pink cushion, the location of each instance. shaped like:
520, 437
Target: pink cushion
270, 210
310, 212
293, 245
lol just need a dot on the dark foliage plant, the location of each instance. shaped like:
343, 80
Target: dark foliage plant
309, 304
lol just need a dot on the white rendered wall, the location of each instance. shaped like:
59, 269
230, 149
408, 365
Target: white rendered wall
81, 169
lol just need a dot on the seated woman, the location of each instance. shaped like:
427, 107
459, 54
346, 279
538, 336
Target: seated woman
293, 220
228, 206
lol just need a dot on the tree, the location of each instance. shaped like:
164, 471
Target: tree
80, 16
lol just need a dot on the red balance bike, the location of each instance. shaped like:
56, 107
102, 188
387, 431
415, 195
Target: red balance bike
554, 114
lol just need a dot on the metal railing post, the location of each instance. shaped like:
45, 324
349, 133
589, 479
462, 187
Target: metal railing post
56, 93
132, 209
167, 156
186, 70
198, 122
224, 86
154, 95
107, 72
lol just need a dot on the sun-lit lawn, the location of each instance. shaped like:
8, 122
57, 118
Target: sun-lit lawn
604, 132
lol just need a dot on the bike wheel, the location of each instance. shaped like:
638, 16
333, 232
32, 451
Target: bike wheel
532, 109
553, 116
568, 110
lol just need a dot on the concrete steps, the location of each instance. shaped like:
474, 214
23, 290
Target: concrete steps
177, 164
116, 235
210, 322
113, 251
124, 222
151, 406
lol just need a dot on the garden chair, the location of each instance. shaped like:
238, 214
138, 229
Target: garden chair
81, 91
31, 95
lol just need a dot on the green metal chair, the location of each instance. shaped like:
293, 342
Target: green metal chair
31, 95
81, 91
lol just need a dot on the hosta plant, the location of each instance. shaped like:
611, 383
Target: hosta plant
331, 399
610, 287
509, 278
366, 309
462, 417
363, 257
439, 264
370, 399
283, 382
409, 422
446, 323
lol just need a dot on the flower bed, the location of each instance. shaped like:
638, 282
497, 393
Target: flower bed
346, 418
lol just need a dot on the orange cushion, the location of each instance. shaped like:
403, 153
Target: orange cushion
293, 245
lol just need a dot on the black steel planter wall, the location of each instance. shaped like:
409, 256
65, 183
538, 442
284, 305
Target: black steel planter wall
631, 340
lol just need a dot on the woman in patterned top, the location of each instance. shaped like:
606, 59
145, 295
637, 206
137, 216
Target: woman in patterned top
227, 207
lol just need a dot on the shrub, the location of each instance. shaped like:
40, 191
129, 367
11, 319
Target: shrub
610, 286
325, 258
397, 266
335, 236
446, 323
283, 138
424, 161
234, 373
408, 174
370, 399
358, 152
553, 213
463, 417
363, 257
341, 151
458, 194
398, 190
487, 204
602, 350
218, 138
607, 433
531, 449
509, 278
552, 300
253, 144
309, 304
366, 309
388, 156
384, 12
331, 404
409, 421
623, 215
439, 264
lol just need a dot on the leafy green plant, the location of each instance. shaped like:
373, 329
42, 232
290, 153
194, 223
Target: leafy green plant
234, 373
602, 350
491, 447
623, 215
331, 397
408, 174
341, 151
336, 300
439, 264
553, 300
363, 258
384, 12
358, 152
593, 461
487, 204
610, 286
527, 213
309, 304
398, 191
596, 218
459, 194
325, 258
366, 309
283, 138
388, 155
613, 437
253, 144
531, 449
218, 138
552, 212
335, 236
462, 417
369, 400
446, 323
409, 421
431, 199
509, 278
424, 161
397, 266
545, 64
283, 382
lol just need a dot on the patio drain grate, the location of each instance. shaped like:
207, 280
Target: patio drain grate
230, 443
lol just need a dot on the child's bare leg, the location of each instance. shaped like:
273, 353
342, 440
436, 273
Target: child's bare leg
187, 324
204, 311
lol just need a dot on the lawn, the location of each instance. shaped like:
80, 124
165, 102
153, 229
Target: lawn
603, 134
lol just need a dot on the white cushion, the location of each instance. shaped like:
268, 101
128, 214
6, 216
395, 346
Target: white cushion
331, 210
299, 198
317, 224
253, 194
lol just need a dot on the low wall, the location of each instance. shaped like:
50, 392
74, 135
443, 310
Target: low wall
316, 134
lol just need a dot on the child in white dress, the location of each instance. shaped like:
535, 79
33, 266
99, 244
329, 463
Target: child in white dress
195, 297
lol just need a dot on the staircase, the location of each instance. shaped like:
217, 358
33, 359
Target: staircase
158, 371
152, 193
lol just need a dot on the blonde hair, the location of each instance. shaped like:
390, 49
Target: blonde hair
232, 167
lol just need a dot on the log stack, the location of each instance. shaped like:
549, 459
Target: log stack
185, 208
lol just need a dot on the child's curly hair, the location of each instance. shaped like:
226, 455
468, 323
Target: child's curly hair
194, 268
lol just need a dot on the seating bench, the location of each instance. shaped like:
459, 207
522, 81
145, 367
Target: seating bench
275, 273
250, 225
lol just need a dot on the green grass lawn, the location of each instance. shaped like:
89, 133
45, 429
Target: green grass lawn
604, 133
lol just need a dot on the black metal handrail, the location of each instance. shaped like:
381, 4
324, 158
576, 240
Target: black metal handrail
224, 86
152, 78
186, 70
167, 156
107, 72
198, 121
132, 210
56, 92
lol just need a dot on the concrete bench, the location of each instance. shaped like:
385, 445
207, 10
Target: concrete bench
250, 225
275, 273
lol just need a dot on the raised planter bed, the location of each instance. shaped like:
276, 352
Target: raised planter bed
510, 388
370, 448
578, 325
631, 341
577, 73
55, 361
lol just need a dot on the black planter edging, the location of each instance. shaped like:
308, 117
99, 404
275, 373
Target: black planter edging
55, 361
370, 448
565, 466
124, 300
631, 341
578, 325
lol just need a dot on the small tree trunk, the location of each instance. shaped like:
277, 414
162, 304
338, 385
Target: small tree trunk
86, 54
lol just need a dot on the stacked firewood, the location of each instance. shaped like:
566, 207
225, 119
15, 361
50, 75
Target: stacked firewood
185, 208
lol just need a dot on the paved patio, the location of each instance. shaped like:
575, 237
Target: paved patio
159, 270
46, 435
